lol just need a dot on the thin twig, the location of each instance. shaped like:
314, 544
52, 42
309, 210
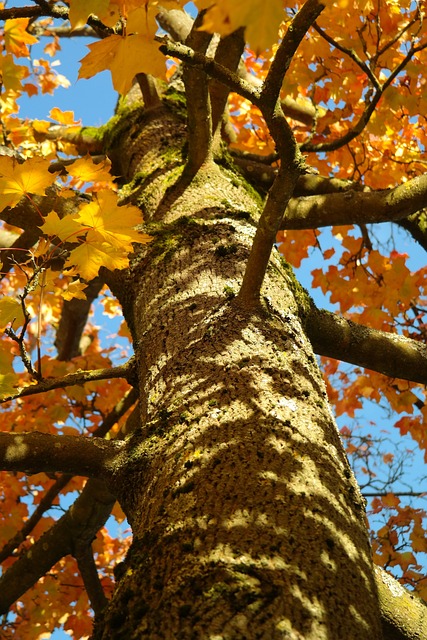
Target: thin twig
350, 53
367, 113
299, 26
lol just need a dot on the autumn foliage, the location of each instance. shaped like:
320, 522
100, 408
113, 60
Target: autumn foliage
355, 96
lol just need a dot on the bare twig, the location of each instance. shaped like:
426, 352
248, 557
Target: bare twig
351, 54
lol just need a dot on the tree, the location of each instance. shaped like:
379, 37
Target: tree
216, 437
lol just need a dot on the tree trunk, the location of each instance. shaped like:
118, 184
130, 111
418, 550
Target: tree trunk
246, 517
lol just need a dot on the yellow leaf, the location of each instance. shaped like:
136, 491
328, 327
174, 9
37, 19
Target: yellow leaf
85, 170
65, 229
110, 223
75, 290
10, 312
142, 21
16, 37
125, 57
80, 10
41, 126
99, 57
88, 258
7, 384
17, 180
11, 73
64, 117
262, 20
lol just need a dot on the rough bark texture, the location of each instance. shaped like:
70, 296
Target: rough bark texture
247, 520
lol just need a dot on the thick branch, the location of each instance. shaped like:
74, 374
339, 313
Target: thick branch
78, 526
126, 370
199, 116
73, 320
175, 22
291, 167
43, 452
416, 225
82, 137
228, 54
403, 614
357, 207
388, 353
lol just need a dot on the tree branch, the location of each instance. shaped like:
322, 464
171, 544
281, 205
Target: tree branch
228, 54
356, 207
80, 524
403, 614
73, 320
85, 561
212, 68
126, 371
175, 22
292, 164
199, 115
36, 452
416, 225
391, 354
44, 504
350, 53
278, 197
299, 26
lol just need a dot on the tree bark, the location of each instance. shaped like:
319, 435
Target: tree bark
247, 520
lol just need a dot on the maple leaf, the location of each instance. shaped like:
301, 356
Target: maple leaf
7, 384
80, 10
12, 74
10, 312
125, 56
63, 117
18, 180
87, 259
67, 228
16, 37
110, 223
262, 25
75, 290
85, 170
